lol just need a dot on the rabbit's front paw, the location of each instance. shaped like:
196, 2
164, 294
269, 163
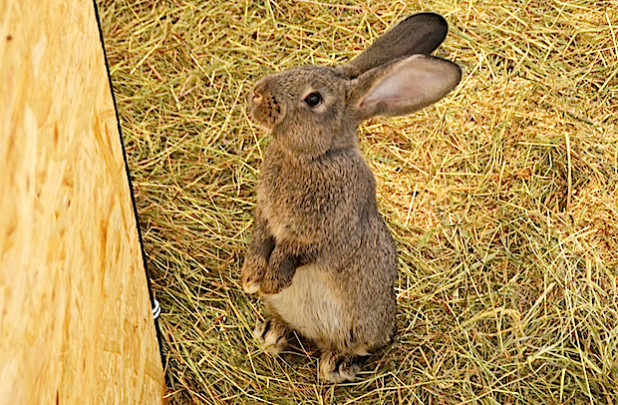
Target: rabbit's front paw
274, 285
252, 273
281, 269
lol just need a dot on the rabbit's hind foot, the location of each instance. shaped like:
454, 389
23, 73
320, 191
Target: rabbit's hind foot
273, 333
337, 367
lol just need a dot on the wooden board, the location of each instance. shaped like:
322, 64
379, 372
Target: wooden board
75, 317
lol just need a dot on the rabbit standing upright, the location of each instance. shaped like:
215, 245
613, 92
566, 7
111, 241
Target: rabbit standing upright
321, 255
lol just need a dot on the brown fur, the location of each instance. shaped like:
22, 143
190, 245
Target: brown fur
321, 255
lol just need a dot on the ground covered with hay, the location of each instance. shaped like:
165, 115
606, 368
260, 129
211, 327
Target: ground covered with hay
503, 197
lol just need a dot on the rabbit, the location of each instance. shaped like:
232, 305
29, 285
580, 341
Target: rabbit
320, 255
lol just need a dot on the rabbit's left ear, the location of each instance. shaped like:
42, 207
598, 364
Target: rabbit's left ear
403, 87
414, 35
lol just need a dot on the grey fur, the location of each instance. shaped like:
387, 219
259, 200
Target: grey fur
321, 255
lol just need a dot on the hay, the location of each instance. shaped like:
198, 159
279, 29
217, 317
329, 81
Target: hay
502, 198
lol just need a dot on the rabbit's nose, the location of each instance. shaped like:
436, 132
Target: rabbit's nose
256, 96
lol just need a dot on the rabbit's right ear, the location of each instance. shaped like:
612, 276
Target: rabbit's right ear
403, 86
417, 34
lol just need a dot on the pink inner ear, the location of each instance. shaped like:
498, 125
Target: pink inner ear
402, 85
413, 83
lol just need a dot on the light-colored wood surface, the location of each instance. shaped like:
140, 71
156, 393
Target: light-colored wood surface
75, 317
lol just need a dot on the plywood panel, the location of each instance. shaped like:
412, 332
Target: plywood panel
75, 323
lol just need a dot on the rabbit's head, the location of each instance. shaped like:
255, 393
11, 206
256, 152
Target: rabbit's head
313, 109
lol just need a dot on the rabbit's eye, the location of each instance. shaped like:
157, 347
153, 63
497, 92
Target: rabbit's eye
313, 99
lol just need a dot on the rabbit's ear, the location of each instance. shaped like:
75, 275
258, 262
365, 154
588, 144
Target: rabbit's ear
403, 86
417, 34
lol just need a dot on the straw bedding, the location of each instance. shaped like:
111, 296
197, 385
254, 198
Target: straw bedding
503, 197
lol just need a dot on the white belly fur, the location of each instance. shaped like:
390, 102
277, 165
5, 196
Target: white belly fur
309, 304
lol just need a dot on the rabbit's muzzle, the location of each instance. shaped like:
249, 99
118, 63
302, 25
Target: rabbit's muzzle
266, 108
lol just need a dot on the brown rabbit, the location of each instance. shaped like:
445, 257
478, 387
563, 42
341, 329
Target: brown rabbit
321, 255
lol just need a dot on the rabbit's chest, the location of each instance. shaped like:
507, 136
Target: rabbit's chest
311, 305
290, 205
278, 218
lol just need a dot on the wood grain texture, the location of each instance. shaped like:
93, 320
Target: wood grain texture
75, 317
